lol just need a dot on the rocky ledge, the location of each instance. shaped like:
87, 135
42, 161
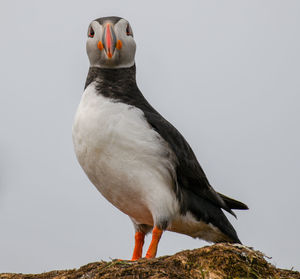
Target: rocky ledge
210, 262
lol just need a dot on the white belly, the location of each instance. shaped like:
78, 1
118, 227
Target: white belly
124, 158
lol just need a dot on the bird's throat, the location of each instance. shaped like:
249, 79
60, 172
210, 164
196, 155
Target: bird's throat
112, 78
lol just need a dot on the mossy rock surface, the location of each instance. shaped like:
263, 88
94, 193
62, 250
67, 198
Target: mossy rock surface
210, 262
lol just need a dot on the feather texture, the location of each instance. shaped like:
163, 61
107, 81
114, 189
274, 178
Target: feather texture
195, 197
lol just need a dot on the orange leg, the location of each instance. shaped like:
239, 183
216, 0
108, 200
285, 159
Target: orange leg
156, 235
138, 247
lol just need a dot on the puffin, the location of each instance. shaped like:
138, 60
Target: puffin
136, 159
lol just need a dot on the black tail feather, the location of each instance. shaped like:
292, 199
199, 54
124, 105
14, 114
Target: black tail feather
208, 212
233, 204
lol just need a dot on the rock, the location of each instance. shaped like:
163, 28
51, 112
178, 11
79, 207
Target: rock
210, 262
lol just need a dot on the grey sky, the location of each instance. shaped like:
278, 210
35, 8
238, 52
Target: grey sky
225, 73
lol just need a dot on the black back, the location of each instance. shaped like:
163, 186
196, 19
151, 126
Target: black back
191, 185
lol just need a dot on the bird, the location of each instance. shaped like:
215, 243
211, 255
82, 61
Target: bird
135, 158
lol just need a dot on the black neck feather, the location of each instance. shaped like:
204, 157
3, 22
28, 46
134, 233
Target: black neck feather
112, 77
118, 84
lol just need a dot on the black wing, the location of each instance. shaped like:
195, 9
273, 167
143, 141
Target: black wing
192, 186
189, 173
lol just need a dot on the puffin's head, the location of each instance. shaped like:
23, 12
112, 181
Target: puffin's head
110, 43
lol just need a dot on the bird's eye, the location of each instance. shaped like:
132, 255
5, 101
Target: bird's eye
91, 33
129, 31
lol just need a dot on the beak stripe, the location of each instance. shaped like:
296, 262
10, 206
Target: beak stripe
108, 39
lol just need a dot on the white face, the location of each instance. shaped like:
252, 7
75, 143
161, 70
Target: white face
110, 45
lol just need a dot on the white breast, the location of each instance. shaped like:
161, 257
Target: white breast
124, 158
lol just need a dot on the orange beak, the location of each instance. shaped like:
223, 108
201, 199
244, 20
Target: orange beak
110, 42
